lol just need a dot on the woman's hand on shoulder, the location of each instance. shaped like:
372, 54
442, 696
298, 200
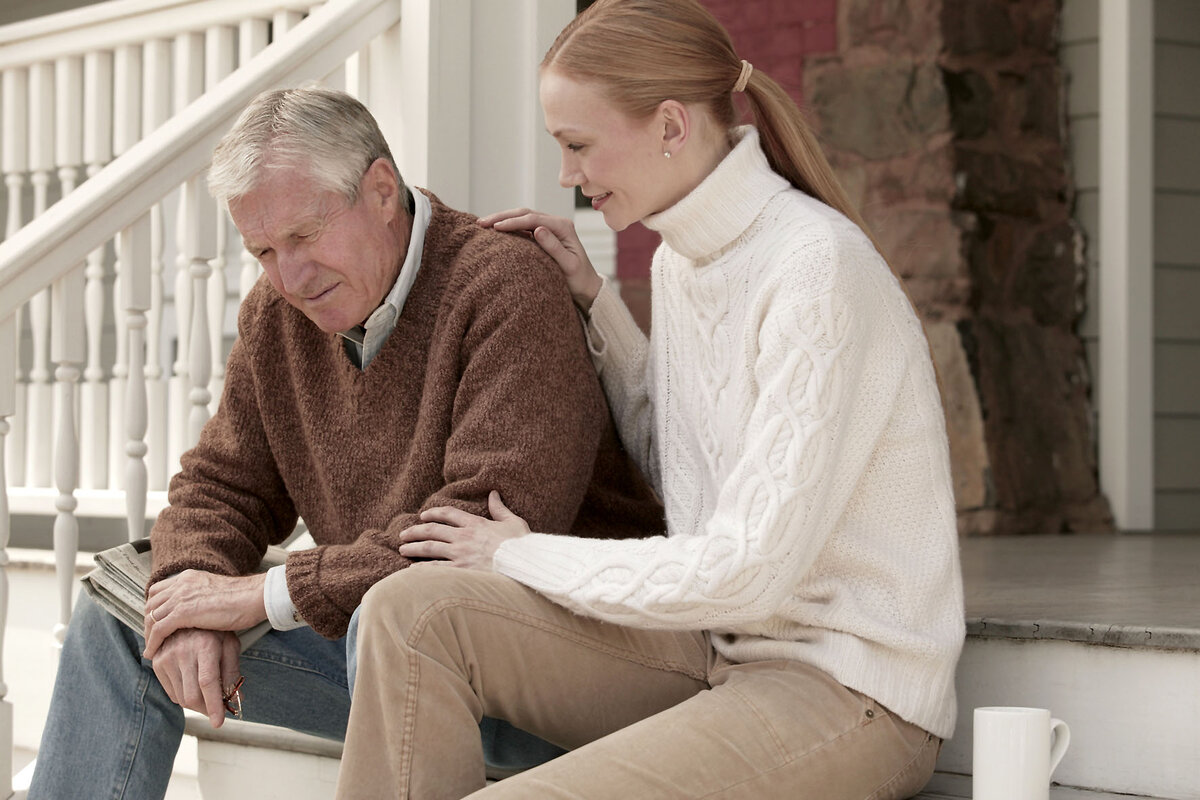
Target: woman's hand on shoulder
558, 238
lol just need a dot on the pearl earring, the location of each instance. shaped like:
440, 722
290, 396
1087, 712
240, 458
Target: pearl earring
667, 154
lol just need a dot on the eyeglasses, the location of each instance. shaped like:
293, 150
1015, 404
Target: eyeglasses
233, 698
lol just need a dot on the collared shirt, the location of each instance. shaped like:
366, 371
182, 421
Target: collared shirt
363, 343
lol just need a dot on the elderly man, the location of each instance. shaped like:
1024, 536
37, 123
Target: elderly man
395, 357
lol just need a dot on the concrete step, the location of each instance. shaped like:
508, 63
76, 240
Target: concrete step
1104, 631
958, 787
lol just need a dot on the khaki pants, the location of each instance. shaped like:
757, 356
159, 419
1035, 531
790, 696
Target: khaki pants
646, 714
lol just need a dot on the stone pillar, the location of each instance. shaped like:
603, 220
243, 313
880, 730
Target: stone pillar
1025, 255
943, 119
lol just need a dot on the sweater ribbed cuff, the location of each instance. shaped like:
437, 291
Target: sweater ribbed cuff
534, 561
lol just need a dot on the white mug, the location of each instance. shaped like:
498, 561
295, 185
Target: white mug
1013, 758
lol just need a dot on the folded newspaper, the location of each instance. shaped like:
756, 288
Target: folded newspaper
118, 584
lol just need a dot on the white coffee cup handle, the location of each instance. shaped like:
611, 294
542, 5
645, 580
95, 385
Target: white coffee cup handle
1062, 738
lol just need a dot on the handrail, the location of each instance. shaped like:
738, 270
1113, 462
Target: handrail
104, 26
56, 242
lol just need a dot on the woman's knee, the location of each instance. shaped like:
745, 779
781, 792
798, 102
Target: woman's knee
411, 597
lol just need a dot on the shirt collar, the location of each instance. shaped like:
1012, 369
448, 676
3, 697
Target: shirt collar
368, 338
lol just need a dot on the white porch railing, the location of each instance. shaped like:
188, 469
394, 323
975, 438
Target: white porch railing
118, 275
109, 117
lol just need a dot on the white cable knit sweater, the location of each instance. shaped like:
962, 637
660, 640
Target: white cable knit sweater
786, 410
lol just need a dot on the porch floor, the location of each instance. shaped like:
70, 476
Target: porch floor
1129, 590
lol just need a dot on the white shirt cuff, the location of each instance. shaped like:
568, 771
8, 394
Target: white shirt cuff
282, 615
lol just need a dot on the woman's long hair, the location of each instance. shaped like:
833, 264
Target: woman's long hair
642, 52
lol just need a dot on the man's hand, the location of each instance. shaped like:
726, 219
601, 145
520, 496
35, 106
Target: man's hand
461, 538
195, 666
195, 599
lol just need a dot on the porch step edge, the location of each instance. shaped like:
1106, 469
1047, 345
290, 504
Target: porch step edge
956, 786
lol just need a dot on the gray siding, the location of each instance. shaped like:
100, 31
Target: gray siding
1176, 232
1177, 264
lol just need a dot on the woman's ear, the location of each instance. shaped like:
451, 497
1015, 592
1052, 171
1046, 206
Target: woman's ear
676, 125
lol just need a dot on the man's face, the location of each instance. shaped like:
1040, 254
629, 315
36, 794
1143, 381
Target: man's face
333, 261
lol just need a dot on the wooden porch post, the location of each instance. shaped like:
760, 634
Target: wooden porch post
1126, 393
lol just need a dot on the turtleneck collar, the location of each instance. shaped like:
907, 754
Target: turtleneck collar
722, 207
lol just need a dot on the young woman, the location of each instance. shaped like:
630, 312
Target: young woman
795, 631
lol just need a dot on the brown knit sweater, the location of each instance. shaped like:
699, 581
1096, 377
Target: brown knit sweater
485, 384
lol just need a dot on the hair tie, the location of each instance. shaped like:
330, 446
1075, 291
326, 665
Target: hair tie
743, 76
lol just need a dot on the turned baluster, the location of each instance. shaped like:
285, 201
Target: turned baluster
14, 160
67, 352
218, 63
156, 109
189, 84
252, 39
8, 398
96, 398
134, 265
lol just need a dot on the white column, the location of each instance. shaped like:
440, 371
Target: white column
41, 163
8, 366
463, 116
156, 109
127, 131
134, 302
14, 160
94, 394
189, 84
1126, 393
433, 87
68, 155
41, 132
67, 352
199, 246
513, 161
218, 63
252, 39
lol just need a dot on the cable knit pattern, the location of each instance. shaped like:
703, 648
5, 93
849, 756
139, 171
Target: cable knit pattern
787, 412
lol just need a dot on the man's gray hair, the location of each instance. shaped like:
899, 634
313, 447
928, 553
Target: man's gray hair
327, 134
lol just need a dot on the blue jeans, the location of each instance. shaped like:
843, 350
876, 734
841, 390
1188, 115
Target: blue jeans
112, 732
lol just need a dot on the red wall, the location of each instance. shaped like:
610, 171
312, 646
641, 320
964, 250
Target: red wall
774, 36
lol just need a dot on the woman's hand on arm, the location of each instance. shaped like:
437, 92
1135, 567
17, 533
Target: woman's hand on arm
558, 238
461, 538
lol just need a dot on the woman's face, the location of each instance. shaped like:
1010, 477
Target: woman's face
616, 161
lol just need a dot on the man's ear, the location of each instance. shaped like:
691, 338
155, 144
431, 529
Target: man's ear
380, 188
676, 124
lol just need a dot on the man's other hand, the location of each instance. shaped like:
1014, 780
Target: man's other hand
195, 599
194, 667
